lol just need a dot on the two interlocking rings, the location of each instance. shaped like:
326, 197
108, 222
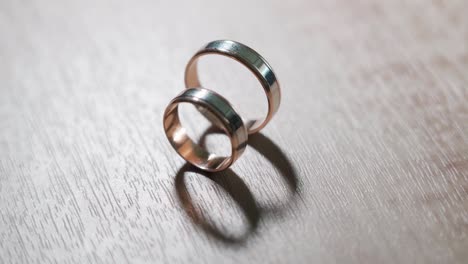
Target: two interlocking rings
217, 109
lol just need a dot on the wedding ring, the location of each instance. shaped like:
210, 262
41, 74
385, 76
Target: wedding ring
250, 59
227, 119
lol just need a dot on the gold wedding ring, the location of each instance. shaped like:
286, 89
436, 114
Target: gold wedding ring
227, 119
250, 59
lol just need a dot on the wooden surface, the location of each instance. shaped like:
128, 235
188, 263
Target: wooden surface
366, 161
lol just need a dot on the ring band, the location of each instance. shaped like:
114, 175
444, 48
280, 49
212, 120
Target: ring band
227, 119
253, 61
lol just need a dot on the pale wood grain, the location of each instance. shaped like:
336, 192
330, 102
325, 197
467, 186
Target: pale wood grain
373, 129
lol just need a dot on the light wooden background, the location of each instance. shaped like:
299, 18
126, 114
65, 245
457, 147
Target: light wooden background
366, 161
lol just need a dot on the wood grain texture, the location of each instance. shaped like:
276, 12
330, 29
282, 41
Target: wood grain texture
366, 161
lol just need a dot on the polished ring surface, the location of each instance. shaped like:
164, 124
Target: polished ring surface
250, 59
227, 119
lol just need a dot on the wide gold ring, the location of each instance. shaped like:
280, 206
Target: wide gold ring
226, 118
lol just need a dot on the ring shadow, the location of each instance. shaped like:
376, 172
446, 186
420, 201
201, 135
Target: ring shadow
237, 190
236, 187
273, 153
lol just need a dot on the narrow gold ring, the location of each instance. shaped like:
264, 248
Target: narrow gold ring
226, 118
250, 59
